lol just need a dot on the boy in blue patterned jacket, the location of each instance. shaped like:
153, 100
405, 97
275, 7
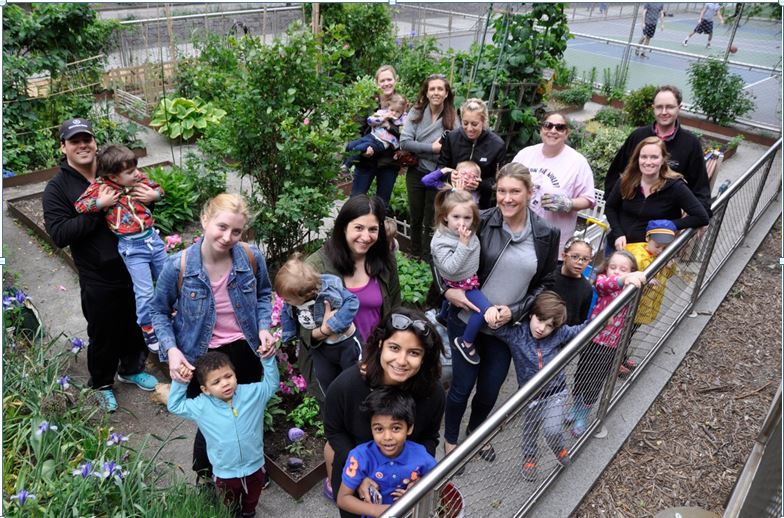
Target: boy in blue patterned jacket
534, 343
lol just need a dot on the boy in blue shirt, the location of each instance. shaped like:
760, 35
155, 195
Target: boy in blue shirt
389, 460
231, 418
533, 344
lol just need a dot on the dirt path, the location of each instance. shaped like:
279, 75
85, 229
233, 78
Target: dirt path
694, 440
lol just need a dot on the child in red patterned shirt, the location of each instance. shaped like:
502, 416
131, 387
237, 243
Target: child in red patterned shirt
123, 193
596, 361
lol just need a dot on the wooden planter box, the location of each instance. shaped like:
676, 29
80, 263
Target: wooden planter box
295, 488
44, 175
602, 99
16, 210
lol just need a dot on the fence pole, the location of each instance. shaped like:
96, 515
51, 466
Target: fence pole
710, 242
758, 194
627, 51
735, 24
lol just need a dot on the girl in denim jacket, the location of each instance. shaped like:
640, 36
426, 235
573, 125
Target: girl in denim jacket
223, 298
320, 303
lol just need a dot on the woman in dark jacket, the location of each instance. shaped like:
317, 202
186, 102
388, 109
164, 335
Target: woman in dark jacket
476, 142
648, 189
518, 257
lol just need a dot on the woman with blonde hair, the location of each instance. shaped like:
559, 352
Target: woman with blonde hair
223, 297
475, 141
648, 189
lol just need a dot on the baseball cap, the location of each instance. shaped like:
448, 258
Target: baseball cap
73, 127
661, 230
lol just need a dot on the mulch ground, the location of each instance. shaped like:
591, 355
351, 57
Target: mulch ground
690, 447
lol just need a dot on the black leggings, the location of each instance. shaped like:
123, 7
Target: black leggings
592, 369
247, 368
329, 360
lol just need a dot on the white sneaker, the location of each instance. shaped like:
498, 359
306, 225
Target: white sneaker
686, 42
707, 46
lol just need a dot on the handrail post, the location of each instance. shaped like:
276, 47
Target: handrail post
623, 344
708, 245
757, 195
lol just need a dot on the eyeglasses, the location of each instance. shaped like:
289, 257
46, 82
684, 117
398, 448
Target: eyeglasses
403, 323
557, 126
579, 258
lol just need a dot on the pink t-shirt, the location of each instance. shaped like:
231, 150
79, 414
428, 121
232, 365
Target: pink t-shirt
226, 329
370, 302
567, 173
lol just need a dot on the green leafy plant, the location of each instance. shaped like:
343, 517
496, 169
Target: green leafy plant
179, 204
600, 149
564, 74
638, 106
718, 93
614, 85
415, 279
578, 94
735, 141
308, 414
185, 117
398, 202
610, 116
273, 413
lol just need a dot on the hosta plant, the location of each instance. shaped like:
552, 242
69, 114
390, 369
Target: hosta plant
185, 118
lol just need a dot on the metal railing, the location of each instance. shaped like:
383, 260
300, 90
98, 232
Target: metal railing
584, 376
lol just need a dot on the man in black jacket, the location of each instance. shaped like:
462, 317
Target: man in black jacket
116, 342
686, 156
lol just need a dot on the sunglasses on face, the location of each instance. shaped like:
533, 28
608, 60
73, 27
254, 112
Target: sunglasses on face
557, 126
403, 323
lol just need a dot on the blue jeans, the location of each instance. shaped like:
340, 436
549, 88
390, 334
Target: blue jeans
488, 377
144, 259
385, 180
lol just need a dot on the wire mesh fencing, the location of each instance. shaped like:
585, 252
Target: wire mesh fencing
510, 460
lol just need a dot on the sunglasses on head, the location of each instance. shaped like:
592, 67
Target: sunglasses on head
403, 323
557, 126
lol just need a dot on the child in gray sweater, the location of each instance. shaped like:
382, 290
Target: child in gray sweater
455, 252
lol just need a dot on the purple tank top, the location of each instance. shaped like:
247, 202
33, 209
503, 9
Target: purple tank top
370, 302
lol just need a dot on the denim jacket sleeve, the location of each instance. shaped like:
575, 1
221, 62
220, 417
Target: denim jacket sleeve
332, 288
163, 304
263, 292
288, 323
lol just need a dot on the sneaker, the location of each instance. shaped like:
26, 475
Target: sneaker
630, 363
487, 453
529, 470
106, 400
327, 490
142, 380
563, 457
265, 479
707, 46
623, 371
467, 351
151, 340
686, 42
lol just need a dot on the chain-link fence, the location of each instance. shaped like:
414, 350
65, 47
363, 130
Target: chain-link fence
532, 436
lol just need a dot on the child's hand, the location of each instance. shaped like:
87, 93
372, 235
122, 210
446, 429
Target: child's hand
144, 193
464, 234
267, 344
491, 315
653, 283
634, 278
107, 197
185, 373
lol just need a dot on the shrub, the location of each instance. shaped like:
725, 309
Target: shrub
600, 149
179, 205
564, 75
638, 106
609, 116
718, 93
398, 202
415, 279
579, 94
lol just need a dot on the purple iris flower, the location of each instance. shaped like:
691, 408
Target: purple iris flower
22, 496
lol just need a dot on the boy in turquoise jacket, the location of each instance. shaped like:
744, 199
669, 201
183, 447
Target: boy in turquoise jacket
231, 418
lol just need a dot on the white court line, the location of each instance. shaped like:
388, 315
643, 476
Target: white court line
758, 82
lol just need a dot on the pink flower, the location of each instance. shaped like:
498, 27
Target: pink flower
282, 357
345, 46
284, 388
172, 241
306, 122
277, 307
299, 382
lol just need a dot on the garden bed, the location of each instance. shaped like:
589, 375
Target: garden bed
295, 483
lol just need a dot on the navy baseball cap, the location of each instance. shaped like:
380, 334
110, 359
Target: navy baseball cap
661, 230
73, 127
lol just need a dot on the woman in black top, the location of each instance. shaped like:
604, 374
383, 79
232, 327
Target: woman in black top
648, 189
403, 351
475, 141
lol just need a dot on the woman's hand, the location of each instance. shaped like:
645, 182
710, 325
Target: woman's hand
368, 151
470, 181
457, 298
144, 193
634, 278
436, 147
267, 344
504, 316
179, 368
620, 243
